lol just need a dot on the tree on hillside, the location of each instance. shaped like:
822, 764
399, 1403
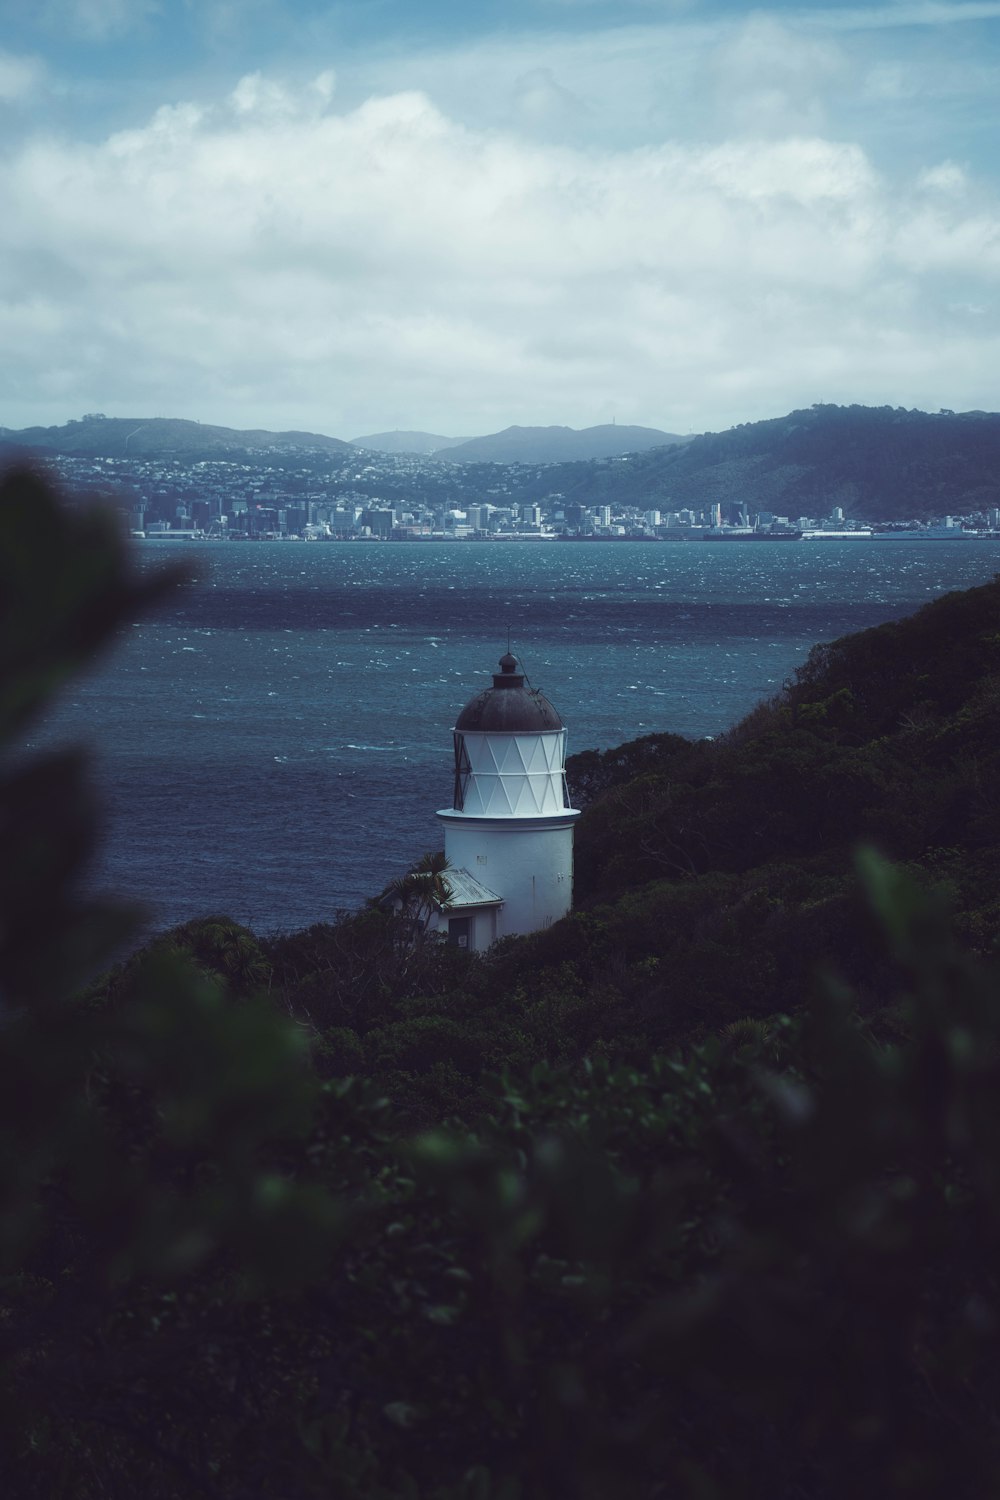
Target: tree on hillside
761, 1264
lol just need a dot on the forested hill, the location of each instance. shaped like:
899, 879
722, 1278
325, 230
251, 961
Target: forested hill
877, 463
723, 870
546, 445
164, 437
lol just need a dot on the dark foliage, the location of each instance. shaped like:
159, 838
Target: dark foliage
876, 463
638, 1207
590, 773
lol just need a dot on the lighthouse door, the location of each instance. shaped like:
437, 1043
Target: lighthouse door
458, 931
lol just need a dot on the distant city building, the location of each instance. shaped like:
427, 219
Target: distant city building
316, 495
378, 521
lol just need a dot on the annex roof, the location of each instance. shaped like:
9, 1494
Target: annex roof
467, 891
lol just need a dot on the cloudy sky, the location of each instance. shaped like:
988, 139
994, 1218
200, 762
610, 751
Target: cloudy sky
374, 214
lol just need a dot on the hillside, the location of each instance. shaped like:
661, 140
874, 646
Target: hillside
876, 463
169, 437
694, 1193
161, 437
731, 862
550, 445
423, 443
713, 877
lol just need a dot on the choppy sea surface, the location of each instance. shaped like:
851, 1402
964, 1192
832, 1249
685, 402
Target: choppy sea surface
274, 742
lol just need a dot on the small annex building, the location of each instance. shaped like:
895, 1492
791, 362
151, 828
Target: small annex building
509, 831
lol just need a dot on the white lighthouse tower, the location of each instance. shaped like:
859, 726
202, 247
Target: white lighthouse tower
509, 832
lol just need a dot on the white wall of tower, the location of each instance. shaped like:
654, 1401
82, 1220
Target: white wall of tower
528, 863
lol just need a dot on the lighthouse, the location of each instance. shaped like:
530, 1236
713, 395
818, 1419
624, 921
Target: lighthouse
508, 835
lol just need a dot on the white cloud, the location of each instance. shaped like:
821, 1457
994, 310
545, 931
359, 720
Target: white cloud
946, 177
617, 85
540, 99
969, 245
20, 77
257, 95
271, 260
770, 78
903, 13
706, 76
96, 20
891, 82
225, 23
269, 99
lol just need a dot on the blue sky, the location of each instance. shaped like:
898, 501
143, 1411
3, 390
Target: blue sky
359, 216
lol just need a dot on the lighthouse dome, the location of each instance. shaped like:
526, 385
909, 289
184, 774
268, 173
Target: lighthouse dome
508, 707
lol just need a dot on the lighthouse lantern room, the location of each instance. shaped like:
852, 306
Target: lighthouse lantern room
509, 831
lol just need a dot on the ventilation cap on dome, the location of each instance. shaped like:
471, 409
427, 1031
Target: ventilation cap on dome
509, 707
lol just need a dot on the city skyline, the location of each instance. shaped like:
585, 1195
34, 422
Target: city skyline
354, 218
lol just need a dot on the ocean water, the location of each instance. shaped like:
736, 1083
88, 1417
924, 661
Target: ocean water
274, 741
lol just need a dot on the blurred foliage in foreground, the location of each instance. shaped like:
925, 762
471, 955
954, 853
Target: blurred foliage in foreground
763, 1263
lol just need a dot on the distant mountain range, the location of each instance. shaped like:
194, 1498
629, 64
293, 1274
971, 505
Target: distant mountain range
526, 445
421, 443
170, 437
553, 445
876, 463
161, 437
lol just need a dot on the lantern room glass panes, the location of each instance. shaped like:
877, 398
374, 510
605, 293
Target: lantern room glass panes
510, 775
463, 770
